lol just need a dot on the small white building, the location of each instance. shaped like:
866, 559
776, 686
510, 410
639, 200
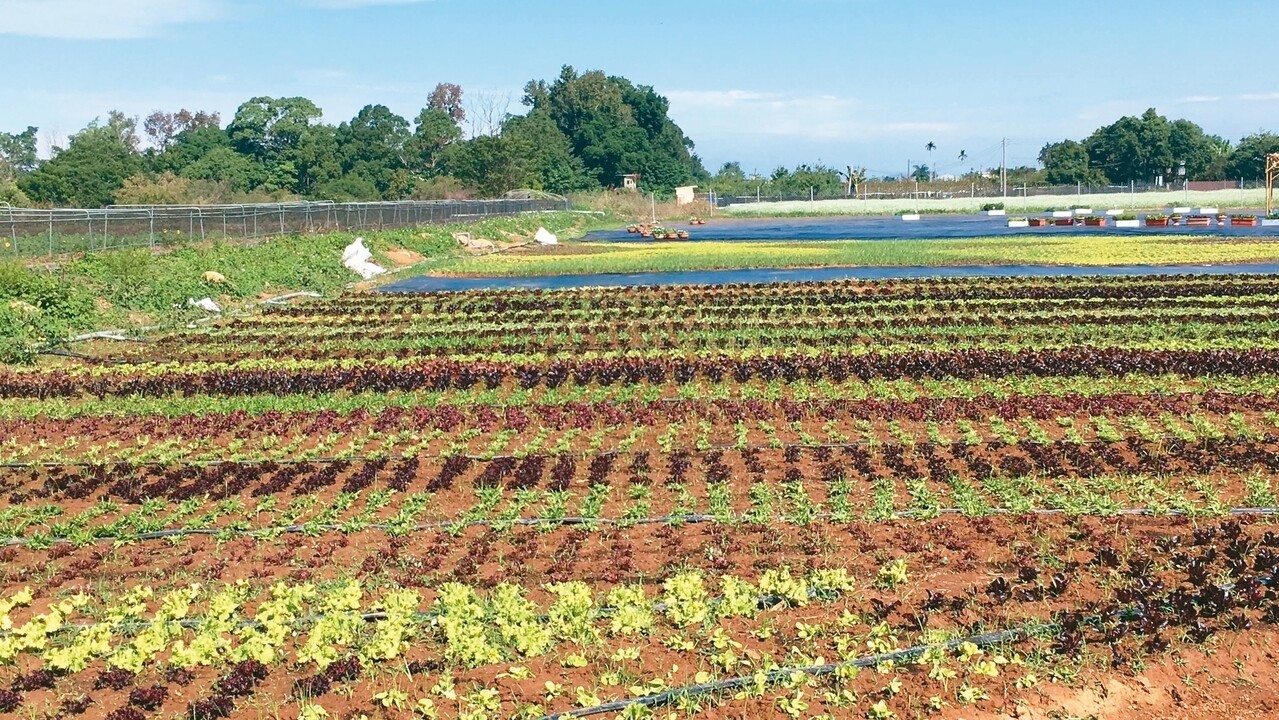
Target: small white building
631, 182
685, 195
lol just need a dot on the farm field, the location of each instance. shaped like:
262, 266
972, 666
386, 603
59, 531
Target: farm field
1067, 248
948, 498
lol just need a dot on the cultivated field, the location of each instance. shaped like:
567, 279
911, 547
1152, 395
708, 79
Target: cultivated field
1065, 247
1036, 203
939, 498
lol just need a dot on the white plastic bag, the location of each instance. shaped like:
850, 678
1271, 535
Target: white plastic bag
546, 237
205, 304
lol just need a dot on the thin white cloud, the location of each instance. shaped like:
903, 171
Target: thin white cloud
101, 19
816, 118
756, 113
717, 98
1260, 96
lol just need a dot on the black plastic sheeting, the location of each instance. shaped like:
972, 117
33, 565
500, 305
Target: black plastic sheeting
426, 283
894, 228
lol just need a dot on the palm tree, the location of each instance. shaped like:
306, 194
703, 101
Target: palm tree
930, 147
963, 155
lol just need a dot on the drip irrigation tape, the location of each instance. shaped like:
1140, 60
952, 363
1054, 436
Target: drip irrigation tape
670, 696
693, 519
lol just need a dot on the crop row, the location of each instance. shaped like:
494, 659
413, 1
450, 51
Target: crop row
810, 294
941, 332
669, 423
1019, 476
744, 313
585, 322
80, 416
798, 498
446, 373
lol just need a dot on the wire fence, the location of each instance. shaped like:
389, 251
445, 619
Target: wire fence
946, 190
29, 233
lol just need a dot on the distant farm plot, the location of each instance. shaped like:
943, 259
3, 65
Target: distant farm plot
1035, 203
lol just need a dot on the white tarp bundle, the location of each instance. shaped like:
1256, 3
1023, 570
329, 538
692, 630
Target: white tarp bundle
546, 237
356, 257
205, 304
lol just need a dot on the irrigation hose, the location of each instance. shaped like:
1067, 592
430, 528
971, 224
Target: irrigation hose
984, 640
773, 676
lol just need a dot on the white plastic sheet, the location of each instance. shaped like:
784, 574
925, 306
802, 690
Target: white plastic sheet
546, 237
356, 257
205, 304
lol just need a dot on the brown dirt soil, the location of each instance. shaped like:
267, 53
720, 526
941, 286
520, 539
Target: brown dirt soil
403, 257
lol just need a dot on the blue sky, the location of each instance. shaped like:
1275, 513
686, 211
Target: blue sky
866, 82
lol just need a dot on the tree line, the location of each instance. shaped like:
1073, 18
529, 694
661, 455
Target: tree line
1140, 149
581, 132
1146, 148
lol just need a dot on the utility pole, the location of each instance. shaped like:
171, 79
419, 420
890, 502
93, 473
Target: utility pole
1003, 170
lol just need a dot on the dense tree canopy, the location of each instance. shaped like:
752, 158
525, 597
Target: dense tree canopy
89, 171
1138, 149
1067, 163
581, 132
617, 128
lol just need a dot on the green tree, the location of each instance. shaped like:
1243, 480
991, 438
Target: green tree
436, 130
204, 152
1115, 150
617, 128
348, 188
552, 165
492, 164
316, 161
730, 180
372, 146
283, 136
1066, 163
268, 128
921, 173
823, 181
1188, 144
224, 165
1133, 148
18, 153
1248, 161
89, 171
